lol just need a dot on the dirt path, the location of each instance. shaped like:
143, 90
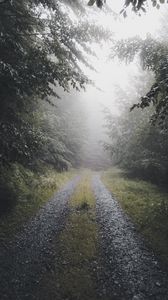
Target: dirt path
59, 242
28, 255
130, 270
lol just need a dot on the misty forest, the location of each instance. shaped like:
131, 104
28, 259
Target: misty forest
84, 150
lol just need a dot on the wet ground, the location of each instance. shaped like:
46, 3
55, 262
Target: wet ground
125, 270
24, 259
130, 271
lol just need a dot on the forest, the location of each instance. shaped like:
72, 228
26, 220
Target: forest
42, 49
84, 90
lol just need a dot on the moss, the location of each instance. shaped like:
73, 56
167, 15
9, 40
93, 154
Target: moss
146, 204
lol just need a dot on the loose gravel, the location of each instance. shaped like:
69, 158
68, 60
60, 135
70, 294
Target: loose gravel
125, 269
29, 254
129, 271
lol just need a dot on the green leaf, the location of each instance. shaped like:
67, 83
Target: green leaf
91, 2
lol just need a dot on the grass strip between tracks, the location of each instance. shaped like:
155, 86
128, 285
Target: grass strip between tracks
76, 251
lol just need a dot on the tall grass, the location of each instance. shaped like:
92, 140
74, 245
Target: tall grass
25, 192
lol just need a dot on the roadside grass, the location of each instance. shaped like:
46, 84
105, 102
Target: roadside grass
76, 251
146, 204
32, 191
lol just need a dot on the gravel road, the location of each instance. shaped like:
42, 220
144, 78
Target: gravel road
28, 255
126, 269
130, 271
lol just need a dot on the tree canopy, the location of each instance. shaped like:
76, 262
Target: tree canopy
153, 55
40, 48
136, 4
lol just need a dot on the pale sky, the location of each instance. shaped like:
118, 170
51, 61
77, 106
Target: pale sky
114, 72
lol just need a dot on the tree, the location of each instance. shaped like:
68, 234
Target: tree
135, 143
39, 49
153, 55
65, 130
137, 5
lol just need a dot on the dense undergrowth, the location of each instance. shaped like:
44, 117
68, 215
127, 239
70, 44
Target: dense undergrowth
146, 204
23, 191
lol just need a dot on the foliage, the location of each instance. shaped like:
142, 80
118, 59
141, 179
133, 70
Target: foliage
40, 48
138, 140
134, 142
26, 70
24, 191
20, 140
137, 5
139, 147
154, 56
65, 132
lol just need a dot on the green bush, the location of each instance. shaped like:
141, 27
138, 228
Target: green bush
151, 170
13, 184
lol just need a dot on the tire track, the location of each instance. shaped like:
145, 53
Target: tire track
130, 271
29, 254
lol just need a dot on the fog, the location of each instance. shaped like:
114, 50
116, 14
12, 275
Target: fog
112, 74
84, 149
